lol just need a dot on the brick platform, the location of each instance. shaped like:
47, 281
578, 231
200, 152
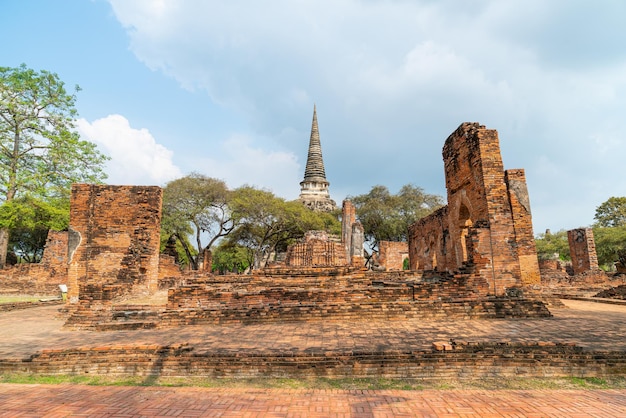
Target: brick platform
584, 340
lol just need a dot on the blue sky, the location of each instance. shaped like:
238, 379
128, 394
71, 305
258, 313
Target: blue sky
227, 89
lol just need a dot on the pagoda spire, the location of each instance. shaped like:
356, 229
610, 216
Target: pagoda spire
314, 188
314, 163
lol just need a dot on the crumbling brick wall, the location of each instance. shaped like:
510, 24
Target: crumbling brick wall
523, 225
43, 277
113, 241
348, 218
487, 210
582, 250
316, 250
391, 255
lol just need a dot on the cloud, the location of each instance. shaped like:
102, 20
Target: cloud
392, 79
136, 158
239, 161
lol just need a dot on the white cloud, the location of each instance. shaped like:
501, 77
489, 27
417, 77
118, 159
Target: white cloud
393, 78
238, 161
136, 158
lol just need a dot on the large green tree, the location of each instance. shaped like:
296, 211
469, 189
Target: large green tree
611, 213
29, 220
198, 206
267, 223
387, 217
40, 152
549, 244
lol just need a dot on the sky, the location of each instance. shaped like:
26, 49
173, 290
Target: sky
227, 88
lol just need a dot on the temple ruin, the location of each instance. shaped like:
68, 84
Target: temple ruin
582, 249
487, 223
114, 240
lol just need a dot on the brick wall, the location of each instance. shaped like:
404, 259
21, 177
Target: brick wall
114, 241
523, 225
43, 277
582, 250
348, 218
486, 215
456, 360
391, 255
316, 250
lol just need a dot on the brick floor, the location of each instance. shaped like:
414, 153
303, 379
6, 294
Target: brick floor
109, 401
591, 325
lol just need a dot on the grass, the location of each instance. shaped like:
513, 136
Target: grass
324, 383
21, 298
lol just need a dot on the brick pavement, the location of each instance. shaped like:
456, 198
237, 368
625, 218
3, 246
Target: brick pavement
590, 325
113, 401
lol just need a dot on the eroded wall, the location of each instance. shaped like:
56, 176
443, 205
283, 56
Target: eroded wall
582, 250
316, 250
391, 255
113, 241
487, 223
43, 277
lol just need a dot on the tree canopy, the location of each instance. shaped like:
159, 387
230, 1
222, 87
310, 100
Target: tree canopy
41, 154
610, 244
266, 223
200, 206
611, 213
551, 244
387, 217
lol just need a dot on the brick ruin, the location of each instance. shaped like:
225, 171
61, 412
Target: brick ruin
320, 249
487, 224
317, 250
41, 278
392, 255
582, 249
114, 240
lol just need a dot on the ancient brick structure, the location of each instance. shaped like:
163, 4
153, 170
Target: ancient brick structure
348, 218
39, 278
314, 188
444, 360
582, 250
113, 241
356, 245
487, 223
317, 250
391, 255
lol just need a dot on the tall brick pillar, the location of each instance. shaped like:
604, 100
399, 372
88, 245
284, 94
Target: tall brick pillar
113, 242
523, 225
348, 218
582, 250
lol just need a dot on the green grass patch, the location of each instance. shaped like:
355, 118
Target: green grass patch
323, 383
19, 298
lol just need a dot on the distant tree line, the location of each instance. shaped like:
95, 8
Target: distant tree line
609, 231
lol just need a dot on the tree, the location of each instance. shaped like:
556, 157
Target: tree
387, 217
29, 220
549, 244
41, 155
611, 213
234, 258
266, 223
610, 243
196, 205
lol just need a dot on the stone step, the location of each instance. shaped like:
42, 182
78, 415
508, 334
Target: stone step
125, 326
